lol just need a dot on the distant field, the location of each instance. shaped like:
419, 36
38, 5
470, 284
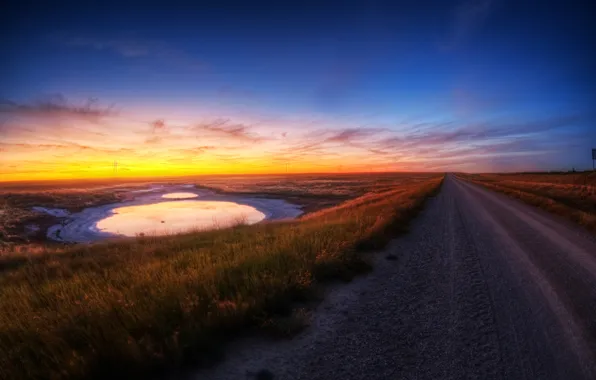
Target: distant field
352, 184
571, 195
144, 305
312, 192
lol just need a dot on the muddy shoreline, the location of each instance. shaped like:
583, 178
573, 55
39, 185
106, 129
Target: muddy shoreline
81, 227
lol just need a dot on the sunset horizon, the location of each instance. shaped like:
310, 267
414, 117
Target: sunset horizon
332, 88
88, 140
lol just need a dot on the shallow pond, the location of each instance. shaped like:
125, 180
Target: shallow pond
177, 216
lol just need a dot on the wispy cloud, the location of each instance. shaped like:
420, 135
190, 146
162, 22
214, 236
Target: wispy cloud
196, 150
229, 130
235, 142
65, 147
488, 131
430, 146
153, 140
326, 143
57, 105
353, 134
158, 126
481, 144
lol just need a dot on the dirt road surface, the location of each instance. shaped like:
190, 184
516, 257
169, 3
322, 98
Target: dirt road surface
484, 287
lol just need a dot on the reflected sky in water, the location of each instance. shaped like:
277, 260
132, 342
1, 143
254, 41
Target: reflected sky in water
174, 217
182, 195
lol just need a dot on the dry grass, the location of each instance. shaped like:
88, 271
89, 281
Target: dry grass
144, 306
341, 185
571, 195
311, 191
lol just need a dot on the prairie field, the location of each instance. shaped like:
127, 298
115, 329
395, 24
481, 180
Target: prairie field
571, 195
310, 191
147, 305
347, 185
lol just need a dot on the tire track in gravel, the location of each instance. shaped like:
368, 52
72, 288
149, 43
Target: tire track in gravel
477, 292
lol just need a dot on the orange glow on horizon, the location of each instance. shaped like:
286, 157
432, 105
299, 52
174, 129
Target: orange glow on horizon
65, 144
124, 170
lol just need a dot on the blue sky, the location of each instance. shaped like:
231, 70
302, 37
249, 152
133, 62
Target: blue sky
521, 70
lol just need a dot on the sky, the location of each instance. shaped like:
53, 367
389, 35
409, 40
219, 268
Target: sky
102, 89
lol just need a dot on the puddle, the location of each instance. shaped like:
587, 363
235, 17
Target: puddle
181, 208
177, 216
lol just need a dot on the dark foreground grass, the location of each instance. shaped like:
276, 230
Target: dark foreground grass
572, 196
146, 306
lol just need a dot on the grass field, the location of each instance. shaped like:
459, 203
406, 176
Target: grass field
148, 305
311, 191
571, 195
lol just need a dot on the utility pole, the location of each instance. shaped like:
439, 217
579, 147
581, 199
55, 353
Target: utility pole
115, 167
593, 158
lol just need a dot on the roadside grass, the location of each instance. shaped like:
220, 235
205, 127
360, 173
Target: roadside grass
143, 307
572, 196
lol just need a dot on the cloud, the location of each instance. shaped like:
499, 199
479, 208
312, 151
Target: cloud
434, 145
197, 150
378, 151
225, 129
321, 141
412, 145
488, 131
153, 140
481, 144
65, 146
351, 134
347, 136
158, 127
57, 105
228, 157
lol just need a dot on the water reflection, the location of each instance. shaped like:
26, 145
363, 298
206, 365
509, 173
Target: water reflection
179, 195
172, 217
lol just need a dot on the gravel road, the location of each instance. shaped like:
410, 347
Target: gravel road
484, 287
